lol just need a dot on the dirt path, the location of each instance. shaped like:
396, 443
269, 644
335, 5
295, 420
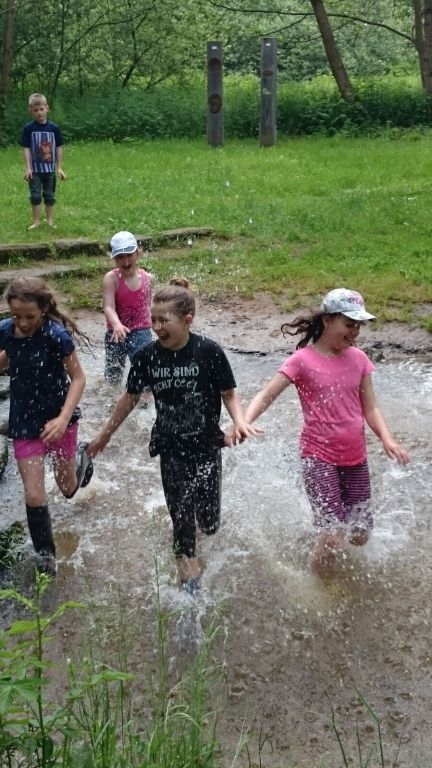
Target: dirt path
253, 326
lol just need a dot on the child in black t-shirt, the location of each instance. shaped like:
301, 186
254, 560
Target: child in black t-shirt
189, 376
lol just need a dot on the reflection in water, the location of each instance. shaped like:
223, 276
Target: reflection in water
293, 648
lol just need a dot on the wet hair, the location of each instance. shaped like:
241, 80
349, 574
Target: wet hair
35, 289
178, 293
311, 326
36, 98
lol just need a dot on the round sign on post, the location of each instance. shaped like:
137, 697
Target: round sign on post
215, 129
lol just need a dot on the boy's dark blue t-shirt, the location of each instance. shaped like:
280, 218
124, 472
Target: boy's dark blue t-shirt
187, 386
42, 139
39, 382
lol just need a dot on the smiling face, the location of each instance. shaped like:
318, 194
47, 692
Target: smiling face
340, 332
171, 328
27, 317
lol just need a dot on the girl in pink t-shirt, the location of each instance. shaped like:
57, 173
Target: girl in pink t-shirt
333, 380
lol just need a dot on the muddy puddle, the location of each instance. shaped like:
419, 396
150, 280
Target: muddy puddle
293, 649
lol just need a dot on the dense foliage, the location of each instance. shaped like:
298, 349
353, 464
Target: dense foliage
179, 111
138, 67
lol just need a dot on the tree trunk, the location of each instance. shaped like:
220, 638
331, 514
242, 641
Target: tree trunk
419, 36
7, 58
427, 53
423, 42
334, 58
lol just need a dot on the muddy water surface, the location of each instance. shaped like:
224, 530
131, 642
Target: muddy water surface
293, 648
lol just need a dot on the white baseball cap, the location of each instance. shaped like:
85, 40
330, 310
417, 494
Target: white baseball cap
123, 242
345, 302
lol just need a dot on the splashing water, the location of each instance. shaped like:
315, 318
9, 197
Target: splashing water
293, 646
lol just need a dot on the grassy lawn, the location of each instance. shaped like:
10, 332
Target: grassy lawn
296, 220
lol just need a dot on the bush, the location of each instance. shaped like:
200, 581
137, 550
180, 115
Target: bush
178, 110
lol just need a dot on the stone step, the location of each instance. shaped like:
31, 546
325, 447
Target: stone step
6, 275
71, 247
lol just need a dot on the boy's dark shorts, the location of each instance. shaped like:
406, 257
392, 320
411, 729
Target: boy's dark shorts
42, 185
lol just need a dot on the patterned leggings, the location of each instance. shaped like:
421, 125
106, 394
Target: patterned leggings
338, 494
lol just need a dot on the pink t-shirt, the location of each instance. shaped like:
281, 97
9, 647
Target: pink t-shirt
133, 307
329, 390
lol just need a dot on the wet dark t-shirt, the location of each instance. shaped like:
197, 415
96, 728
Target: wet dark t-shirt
39, 382
187, 386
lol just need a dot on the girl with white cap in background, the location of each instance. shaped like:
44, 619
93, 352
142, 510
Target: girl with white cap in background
333, 380
127, 291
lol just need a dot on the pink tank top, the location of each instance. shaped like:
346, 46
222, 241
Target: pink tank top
133, 307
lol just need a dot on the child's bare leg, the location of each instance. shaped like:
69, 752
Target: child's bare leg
49, 212
36, 215
323, 556
66, 476
359, 538
187, 568
32, 473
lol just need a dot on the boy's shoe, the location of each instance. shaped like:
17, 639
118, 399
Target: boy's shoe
191, 586
46, 563
84, 466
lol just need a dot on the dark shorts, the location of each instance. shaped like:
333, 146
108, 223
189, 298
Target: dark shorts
42, 185
193, 489
338, 495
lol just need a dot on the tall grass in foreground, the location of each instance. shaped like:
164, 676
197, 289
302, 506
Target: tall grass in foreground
98, 725
296, 220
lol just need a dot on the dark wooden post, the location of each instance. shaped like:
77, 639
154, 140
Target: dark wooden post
268, 92
215, 128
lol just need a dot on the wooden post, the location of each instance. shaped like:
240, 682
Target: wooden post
215, 128
268, 92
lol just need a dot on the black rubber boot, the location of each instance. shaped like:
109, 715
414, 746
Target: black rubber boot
39, 523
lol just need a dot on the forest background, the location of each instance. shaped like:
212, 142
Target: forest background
137, 68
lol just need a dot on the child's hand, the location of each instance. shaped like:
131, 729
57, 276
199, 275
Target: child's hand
61, 174
395, 451
240, 431
28, 175
54, 429
119, 333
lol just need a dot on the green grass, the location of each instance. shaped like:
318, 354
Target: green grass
96, 719
296, 220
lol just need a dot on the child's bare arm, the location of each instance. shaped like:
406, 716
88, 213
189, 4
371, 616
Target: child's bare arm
59, 162
4, 361
241, 429
120, 331
377, 423
27, 162
125, 404
55, 428
265, 397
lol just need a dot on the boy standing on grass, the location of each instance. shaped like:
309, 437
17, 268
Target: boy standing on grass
43, 152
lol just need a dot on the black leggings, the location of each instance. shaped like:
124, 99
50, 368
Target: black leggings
192, 487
